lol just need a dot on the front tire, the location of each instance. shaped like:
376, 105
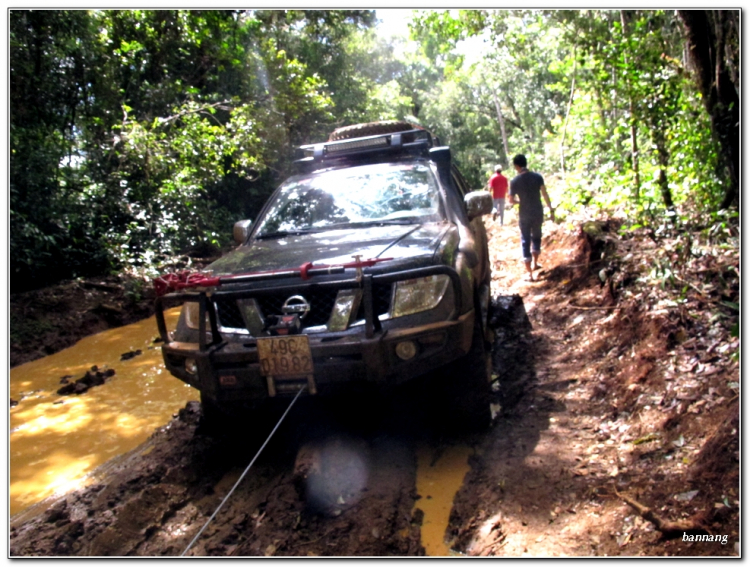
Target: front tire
466, 385
214, 420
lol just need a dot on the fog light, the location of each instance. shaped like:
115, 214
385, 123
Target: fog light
406, 350
191, 366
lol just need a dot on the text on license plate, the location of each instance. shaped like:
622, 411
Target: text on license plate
285, 356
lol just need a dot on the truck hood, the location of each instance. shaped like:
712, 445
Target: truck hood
331, 247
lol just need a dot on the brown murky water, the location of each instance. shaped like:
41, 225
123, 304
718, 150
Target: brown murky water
55, 441
438, 480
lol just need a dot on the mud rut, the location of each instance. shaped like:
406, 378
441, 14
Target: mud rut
537, 484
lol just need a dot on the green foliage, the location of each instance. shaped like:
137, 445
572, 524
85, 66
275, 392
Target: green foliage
321, 41
135, 290
499, 66
440, 30
136, 135
638, 142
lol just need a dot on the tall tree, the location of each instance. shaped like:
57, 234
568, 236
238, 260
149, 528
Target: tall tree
140, 133
626, 17
51, 76
713, 45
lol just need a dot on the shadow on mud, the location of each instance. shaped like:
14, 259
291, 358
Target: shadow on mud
514, 352
341, 441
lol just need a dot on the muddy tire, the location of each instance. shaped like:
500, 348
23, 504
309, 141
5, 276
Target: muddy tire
214, 420
370, 129
466, 388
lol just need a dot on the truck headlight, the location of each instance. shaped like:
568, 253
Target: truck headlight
422, 294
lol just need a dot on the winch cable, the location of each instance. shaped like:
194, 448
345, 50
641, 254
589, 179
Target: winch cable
304, 387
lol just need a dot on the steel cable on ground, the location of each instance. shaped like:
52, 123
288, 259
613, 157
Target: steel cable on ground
239, 480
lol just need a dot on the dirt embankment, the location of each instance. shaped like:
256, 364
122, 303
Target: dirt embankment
613, 391
48, 320
45, 321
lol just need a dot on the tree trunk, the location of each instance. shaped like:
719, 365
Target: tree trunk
567, 111
663, 153
713, 36
501, 120
625, 19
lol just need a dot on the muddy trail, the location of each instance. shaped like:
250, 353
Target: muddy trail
616, 431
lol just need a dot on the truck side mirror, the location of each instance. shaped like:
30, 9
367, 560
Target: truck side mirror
242, 230
478, 203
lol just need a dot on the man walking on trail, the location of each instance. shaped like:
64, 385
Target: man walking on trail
498, 185
526, 190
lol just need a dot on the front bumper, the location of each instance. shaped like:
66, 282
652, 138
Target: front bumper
229, 370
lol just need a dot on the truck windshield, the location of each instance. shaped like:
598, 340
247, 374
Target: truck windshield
369, 194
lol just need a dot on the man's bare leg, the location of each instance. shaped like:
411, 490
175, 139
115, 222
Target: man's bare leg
535, 256
530, 275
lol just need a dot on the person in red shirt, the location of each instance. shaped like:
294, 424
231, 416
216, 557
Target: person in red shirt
498, 185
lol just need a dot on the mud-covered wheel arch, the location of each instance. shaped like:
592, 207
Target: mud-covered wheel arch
371, 129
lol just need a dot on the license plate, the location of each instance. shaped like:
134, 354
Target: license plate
285, 356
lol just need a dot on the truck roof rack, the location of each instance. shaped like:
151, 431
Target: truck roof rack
414, 142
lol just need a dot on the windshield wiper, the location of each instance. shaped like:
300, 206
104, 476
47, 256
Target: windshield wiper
282, 234
381, 222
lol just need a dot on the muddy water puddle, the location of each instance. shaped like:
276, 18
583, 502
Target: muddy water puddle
438, 479
56, 440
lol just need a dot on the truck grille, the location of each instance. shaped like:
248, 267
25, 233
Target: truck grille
229, 314
321, 305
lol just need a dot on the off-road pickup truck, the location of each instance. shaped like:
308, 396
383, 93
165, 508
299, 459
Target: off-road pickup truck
367, 267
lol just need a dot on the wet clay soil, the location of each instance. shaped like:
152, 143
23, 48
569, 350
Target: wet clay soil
599, 393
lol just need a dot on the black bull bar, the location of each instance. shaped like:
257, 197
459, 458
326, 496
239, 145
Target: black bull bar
372, 323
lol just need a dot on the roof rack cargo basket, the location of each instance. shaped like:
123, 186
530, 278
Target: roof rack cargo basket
408, 141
